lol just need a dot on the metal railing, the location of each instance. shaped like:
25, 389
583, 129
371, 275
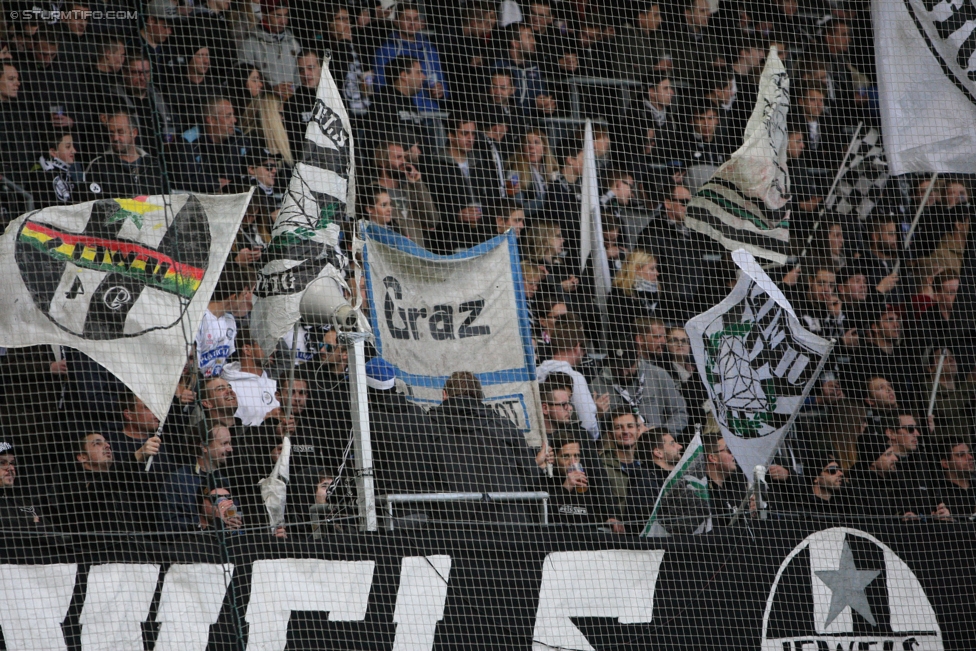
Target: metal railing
424, 498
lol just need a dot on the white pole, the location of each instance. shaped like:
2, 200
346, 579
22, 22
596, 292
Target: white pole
935, 384
359, 408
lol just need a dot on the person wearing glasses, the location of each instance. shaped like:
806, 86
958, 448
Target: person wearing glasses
902, 434
828, 488
726, 483
262, 170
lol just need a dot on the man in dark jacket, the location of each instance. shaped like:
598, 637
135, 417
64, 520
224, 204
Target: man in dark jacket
403, 438
126, 170
481, 451
214, 154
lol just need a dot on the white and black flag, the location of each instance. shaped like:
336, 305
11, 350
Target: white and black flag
305, 238
757, 361
927, 84
862, 180
125, 281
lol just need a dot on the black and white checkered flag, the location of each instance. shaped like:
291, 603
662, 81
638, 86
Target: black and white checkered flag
863, 179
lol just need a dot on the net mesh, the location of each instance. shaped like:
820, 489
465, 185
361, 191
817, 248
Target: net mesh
537, 324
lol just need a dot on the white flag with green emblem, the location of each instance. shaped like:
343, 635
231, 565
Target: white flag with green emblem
757, 361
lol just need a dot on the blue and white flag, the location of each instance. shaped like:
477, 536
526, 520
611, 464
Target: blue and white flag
433, 315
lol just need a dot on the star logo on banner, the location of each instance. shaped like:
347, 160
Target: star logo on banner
847, 586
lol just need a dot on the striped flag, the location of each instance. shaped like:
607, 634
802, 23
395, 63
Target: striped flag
729, 208
305, 238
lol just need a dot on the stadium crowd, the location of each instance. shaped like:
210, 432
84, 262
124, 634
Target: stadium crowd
467, 119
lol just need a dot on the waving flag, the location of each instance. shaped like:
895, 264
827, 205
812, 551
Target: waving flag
682, 506
862, 180
724, 207
125, 281
305, 238
927, 84
758, 363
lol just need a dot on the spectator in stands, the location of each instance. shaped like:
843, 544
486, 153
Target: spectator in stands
655, 113
727, 485
96, 93
56, 179
819, 309
620, 194
883, 254
244, 85
328, 401
208, 20
154, 35
457, 173
635, 292
530, 171
632, 479
349, 65
395, 117
571, 500
404, 439
955, 398
125, 170
935, 326
665, 454
18, 144
828, 488
650, 335
273, 49
645, 389
642, 45
491, 148
299, 108
823, 139
415, 211
876, 486
568, 346
144, 102
192, 85
881, 353
138, 439
880, 399
681, 365
695, 39
678, 249
501, 96
78, 46
509, 216
255, 391
231, 299
49, 84
263, 124
807, 188
545, 245
407, 40
98, 494
262, 172
519, 59
180, 511
706, 142
920, 492
17, 510
481, 451
469, 50
957, 490
218, 509
862, 303
723, 95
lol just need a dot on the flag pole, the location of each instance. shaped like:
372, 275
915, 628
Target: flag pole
918, 215
833, 188
935, 384
789, 423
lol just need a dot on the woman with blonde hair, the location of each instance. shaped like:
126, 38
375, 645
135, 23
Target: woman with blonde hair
530, 170
263, 121
636, 290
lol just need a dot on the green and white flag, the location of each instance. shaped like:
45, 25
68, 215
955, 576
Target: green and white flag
305, 237
729, 208
682, 506
757, 361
